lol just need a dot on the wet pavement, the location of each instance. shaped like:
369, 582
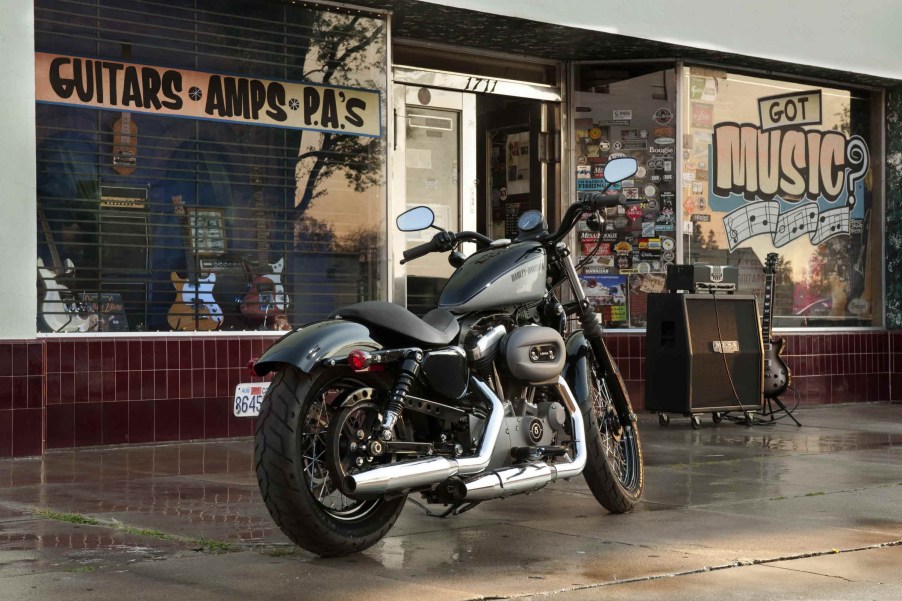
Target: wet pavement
730, 512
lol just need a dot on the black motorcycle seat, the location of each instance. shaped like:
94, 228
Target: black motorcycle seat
436, 328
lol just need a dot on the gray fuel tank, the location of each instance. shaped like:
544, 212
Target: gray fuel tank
497, 277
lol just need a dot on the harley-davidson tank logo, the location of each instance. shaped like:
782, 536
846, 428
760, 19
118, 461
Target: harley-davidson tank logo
521, 273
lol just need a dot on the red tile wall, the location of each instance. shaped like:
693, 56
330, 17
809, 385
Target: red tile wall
70, 392
826, 368
21, 398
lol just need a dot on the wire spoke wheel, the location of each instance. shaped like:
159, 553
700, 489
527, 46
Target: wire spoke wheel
614, 470
304, 446
619, 442
322, 472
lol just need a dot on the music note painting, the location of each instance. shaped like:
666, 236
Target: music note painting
764, 217
751, 220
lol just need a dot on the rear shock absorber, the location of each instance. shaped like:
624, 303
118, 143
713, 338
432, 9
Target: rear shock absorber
410, 369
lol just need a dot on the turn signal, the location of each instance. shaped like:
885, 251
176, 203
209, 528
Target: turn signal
359, 360
250, 366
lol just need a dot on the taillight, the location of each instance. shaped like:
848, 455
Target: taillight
250, 366
359, 360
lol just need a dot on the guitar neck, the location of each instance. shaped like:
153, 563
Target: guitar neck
185, 227
260, 215
48, 234
766, 316
262, 242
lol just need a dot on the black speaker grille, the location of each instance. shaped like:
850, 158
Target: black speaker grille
123, 242
684, 372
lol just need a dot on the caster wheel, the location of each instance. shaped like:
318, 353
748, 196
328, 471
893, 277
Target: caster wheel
663, 419
717, 417
748, 418
696, 422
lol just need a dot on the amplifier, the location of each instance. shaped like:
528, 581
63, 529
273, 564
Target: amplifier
715, 278
702, 278
703, 353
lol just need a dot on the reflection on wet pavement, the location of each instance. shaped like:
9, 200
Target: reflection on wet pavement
721, 494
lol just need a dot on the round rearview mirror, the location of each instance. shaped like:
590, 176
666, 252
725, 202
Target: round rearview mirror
620, 169
415, 219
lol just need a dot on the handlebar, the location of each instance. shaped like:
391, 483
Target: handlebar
598, 200
587, 202
444, 241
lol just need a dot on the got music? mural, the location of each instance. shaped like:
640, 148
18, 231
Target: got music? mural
785, 181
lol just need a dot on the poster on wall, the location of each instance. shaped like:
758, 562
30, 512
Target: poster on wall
640, 286
518, 163
608, 295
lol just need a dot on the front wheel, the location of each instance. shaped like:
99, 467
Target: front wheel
300, 457
614, 469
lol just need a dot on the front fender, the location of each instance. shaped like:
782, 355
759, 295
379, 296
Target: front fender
307, 346
576, 369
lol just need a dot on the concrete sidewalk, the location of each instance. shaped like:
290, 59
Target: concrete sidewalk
730, 512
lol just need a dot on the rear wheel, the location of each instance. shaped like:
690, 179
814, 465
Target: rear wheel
301, 453
614, 470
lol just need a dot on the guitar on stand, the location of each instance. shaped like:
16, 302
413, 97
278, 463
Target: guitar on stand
263, 305
194, 309
59, 309
777, 376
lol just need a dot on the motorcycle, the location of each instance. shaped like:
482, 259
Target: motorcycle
480, 399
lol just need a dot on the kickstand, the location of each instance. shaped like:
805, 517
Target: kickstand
455, 509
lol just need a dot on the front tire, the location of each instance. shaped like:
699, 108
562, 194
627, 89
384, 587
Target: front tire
614, 468
291, 454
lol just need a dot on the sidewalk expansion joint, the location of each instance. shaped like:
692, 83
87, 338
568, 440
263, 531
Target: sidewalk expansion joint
703, 570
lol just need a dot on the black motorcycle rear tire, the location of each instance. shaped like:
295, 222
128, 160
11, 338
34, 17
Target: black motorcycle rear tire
618, 492
285, 483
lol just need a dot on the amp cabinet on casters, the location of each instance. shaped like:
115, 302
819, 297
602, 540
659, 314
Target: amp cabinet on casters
703, 354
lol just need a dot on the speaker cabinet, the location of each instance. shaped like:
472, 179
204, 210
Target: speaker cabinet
123, 241
703, 354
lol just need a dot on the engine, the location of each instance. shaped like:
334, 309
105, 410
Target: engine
519, 363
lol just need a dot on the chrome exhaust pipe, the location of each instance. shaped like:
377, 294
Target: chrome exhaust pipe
424, 472
533, 476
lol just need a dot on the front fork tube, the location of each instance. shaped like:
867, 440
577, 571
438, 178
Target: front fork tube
591, 324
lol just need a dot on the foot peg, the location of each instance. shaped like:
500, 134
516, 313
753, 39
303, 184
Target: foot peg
535, 453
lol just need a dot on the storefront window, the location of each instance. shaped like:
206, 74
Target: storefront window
213, 165
773, 166
627, 111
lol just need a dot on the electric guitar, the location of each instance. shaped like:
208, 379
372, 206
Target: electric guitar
777, 376
264, 303
194, 308
125, 145
59, 309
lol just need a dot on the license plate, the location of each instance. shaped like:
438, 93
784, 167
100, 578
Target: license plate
248, 398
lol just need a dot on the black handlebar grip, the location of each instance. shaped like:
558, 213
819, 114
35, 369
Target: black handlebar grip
597, 200
418, 251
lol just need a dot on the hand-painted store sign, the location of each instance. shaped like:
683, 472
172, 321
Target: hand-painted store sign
780, 161
139, 88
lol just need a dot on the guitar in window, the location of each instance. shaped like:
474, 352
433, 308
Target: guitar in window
777, 376
59, 310
194, 309
264, 303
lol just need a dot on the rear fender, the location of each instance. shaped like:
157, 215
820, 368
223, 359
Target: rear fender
305, 347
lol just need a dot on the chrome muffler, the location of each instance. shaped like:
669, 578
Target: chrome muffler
424, 472
532, 476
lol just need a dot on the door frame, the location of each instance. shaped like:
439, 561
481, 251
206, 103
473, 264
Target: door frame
404, 95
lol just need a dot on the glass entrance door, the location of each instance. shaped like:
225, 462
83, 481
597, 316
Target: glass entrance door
434, 165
